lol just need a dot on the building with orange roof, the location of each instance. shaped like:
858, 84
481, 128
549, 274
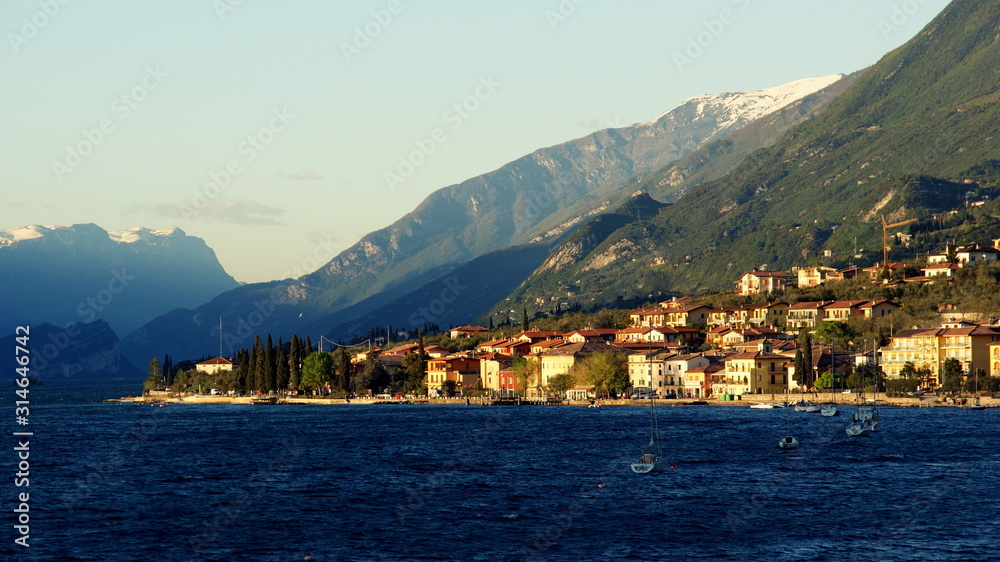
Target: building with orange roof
467, 331
215, 366
754, 282
758, 372
970, 344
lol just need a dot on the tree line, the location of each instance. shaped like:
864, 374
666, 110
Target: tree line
290, 368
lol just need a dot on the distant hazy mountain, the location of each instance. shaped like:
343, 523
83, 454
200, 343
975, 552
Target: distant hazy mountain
915, 136
82, 273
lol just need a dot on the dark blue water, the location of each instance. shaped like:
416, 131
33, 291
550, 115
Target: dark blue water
130, 482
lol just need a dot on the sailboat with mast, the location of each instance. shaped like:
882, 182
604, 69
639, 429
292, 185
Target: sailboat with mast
975, 396
788, 442
865, 419
651, 455
830, 408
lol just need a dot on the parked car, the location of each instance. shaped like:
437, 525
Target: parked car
643, 393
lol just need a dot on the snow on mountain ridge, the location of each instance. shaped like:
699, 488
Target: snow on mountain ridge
11, 236
752, 105
143, 234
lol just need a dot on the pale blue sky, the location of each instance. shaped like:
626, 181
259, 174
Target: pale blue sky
332, 121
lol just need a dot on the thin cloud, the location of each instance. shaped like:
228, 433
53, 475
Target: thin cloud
303, 175
218, 210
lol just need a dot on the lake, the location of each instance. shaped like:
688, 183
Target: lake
121, 481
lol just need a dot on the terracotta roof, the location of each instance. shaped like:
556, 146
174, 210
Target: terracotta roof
880, 267
844, 304
549, 343
583, 348
216, 361
767, 273
808, 305
494, 343
870, 304
594, 332
401, 349
710, 368
496, 357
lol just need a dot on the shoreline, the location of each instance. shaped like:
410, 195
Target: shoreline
843, 400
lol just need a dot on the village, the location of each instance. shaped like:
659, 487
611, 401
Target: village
677, 349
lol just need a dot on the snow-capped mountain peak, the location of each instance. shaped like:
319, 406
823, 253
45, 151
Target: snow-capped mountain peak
69, 233
752, 105
143, 235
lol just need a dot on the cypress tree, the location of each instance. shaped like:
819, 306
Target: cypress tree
308, 347
257, 365
295, 360
284, 371
524, 318
242, 365
168, 370
342, 368
270, 366
807, 376
421, 354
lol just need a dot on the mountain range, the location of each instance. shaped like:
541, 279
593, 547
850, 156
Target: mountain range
913, 137
535, 201
794, 175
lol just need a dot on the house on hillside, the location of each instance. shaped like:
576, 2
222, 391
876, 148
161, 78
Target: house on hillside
878, 308
534, 336
592, 334
841, 311
891, 270
766, 314
467, 331
682, 315
754, 281
941, 270
966, 255
744, 335
723, 317
817, 275
494, 346
805, 314
648, 317
689, 315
